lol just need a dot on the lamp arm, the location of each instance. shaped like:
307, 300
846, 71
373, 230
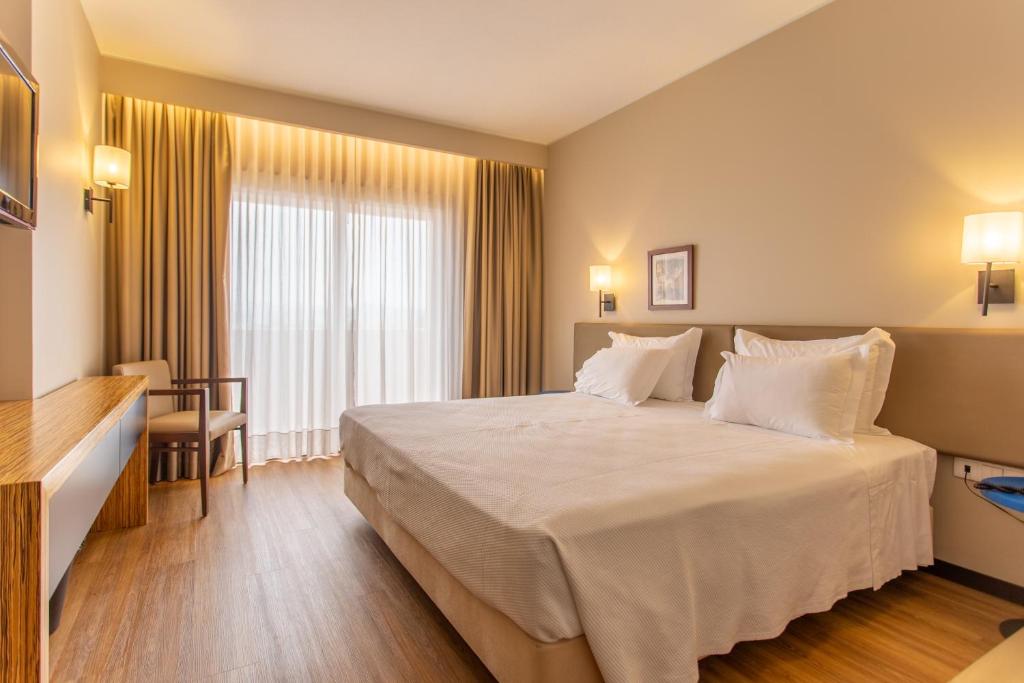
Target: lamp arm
90, 198
985, 288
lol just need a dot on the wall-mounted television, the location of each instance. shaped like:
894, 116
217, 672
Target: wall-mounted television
19, 123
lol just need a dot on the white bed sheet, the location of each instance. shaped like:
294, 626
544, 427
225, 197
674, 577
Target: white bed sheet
663, 536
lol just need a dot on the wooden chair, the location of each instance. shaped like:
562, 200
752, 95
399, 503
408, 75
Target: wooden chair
190, 431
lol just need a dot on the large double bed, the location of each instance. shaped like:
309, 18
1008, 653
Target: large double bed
567, 537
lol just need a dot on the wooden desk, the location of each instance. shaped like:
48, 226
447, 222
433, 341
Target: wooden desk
72, 460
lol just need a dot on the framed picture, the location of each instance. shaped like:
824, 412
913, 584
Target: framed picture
670, 278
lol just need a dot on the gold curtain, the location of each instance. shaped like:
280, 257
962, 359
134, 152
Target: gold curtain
502, 340
166, 252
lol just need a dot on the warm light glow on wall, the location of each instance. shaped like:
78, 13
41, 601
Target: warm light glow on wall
993, 237
600, 278
111, 167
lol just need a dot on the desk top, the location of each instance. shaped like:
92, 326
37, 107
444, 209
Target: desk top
44, 439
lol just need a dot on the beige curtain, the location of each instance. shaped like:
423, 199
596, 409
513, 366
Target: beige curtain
166, 254
502, 336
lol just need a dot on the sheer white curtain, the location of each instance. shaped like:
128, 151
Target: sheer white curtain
346, 279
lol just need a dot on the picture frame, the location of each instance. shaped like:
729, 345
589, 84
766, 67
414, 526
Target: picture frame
670, 278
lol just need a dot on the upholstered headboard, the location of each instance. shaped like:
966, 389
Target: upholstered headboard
960, 391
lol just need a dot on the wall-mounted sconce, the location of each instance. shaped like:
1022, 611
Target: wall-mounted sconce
993, 238
111, 168
601, 280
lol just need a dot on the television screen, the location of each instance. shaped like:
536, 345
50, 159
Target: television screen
17, 142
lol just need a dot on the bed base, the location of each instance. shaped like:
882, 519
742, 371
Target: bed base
507, 651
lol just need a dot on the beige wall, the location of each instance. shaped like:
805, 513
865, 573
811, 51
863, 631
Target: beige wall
973, 534
15, 313
66, 254
16, 245
822, 173
164, 85
16, 18
50, 279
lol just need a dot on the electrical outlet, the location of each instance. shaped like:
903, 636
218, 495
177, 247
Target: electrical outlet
978, 470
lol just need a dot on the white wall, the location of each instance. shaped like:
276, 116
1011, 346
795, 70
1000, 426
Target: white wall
67, 281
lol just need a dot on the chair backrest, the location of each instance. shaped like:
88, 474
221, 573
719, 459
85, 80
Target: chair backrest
159, 374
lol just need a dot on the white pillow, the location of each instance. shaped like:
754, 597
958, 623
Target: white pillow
815, 396
882, 350
676, 382
623, 374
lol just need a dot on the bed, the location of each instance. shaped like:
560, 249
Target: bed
570, 538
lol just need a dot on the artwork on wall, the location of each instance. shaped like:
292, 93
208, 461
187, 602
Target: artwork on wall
670, 278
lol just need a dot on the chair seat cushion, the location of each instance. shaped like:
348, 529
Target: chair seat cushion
221, 422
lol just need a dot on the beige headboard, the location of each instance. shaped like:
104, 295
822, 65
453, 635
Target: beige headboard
960, 391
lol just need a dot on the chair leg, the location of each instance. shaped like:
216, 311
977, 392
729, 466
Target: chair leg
204, 472
245, 454
154, 462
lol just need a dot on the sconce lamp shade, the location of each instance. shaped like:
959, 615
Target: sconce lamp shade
111, 167
993, 237
600, 278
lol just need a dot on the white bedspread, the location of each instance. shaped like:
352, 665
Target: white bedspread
662, 536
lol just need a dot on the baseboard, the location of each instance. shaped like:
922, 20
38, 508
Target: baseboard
978, 581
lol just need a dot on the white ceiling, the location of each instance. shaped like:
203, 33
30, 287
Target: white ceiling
534, 70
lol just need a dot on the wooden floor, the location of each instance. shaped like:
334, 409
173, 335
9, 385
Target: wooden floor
284, 580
